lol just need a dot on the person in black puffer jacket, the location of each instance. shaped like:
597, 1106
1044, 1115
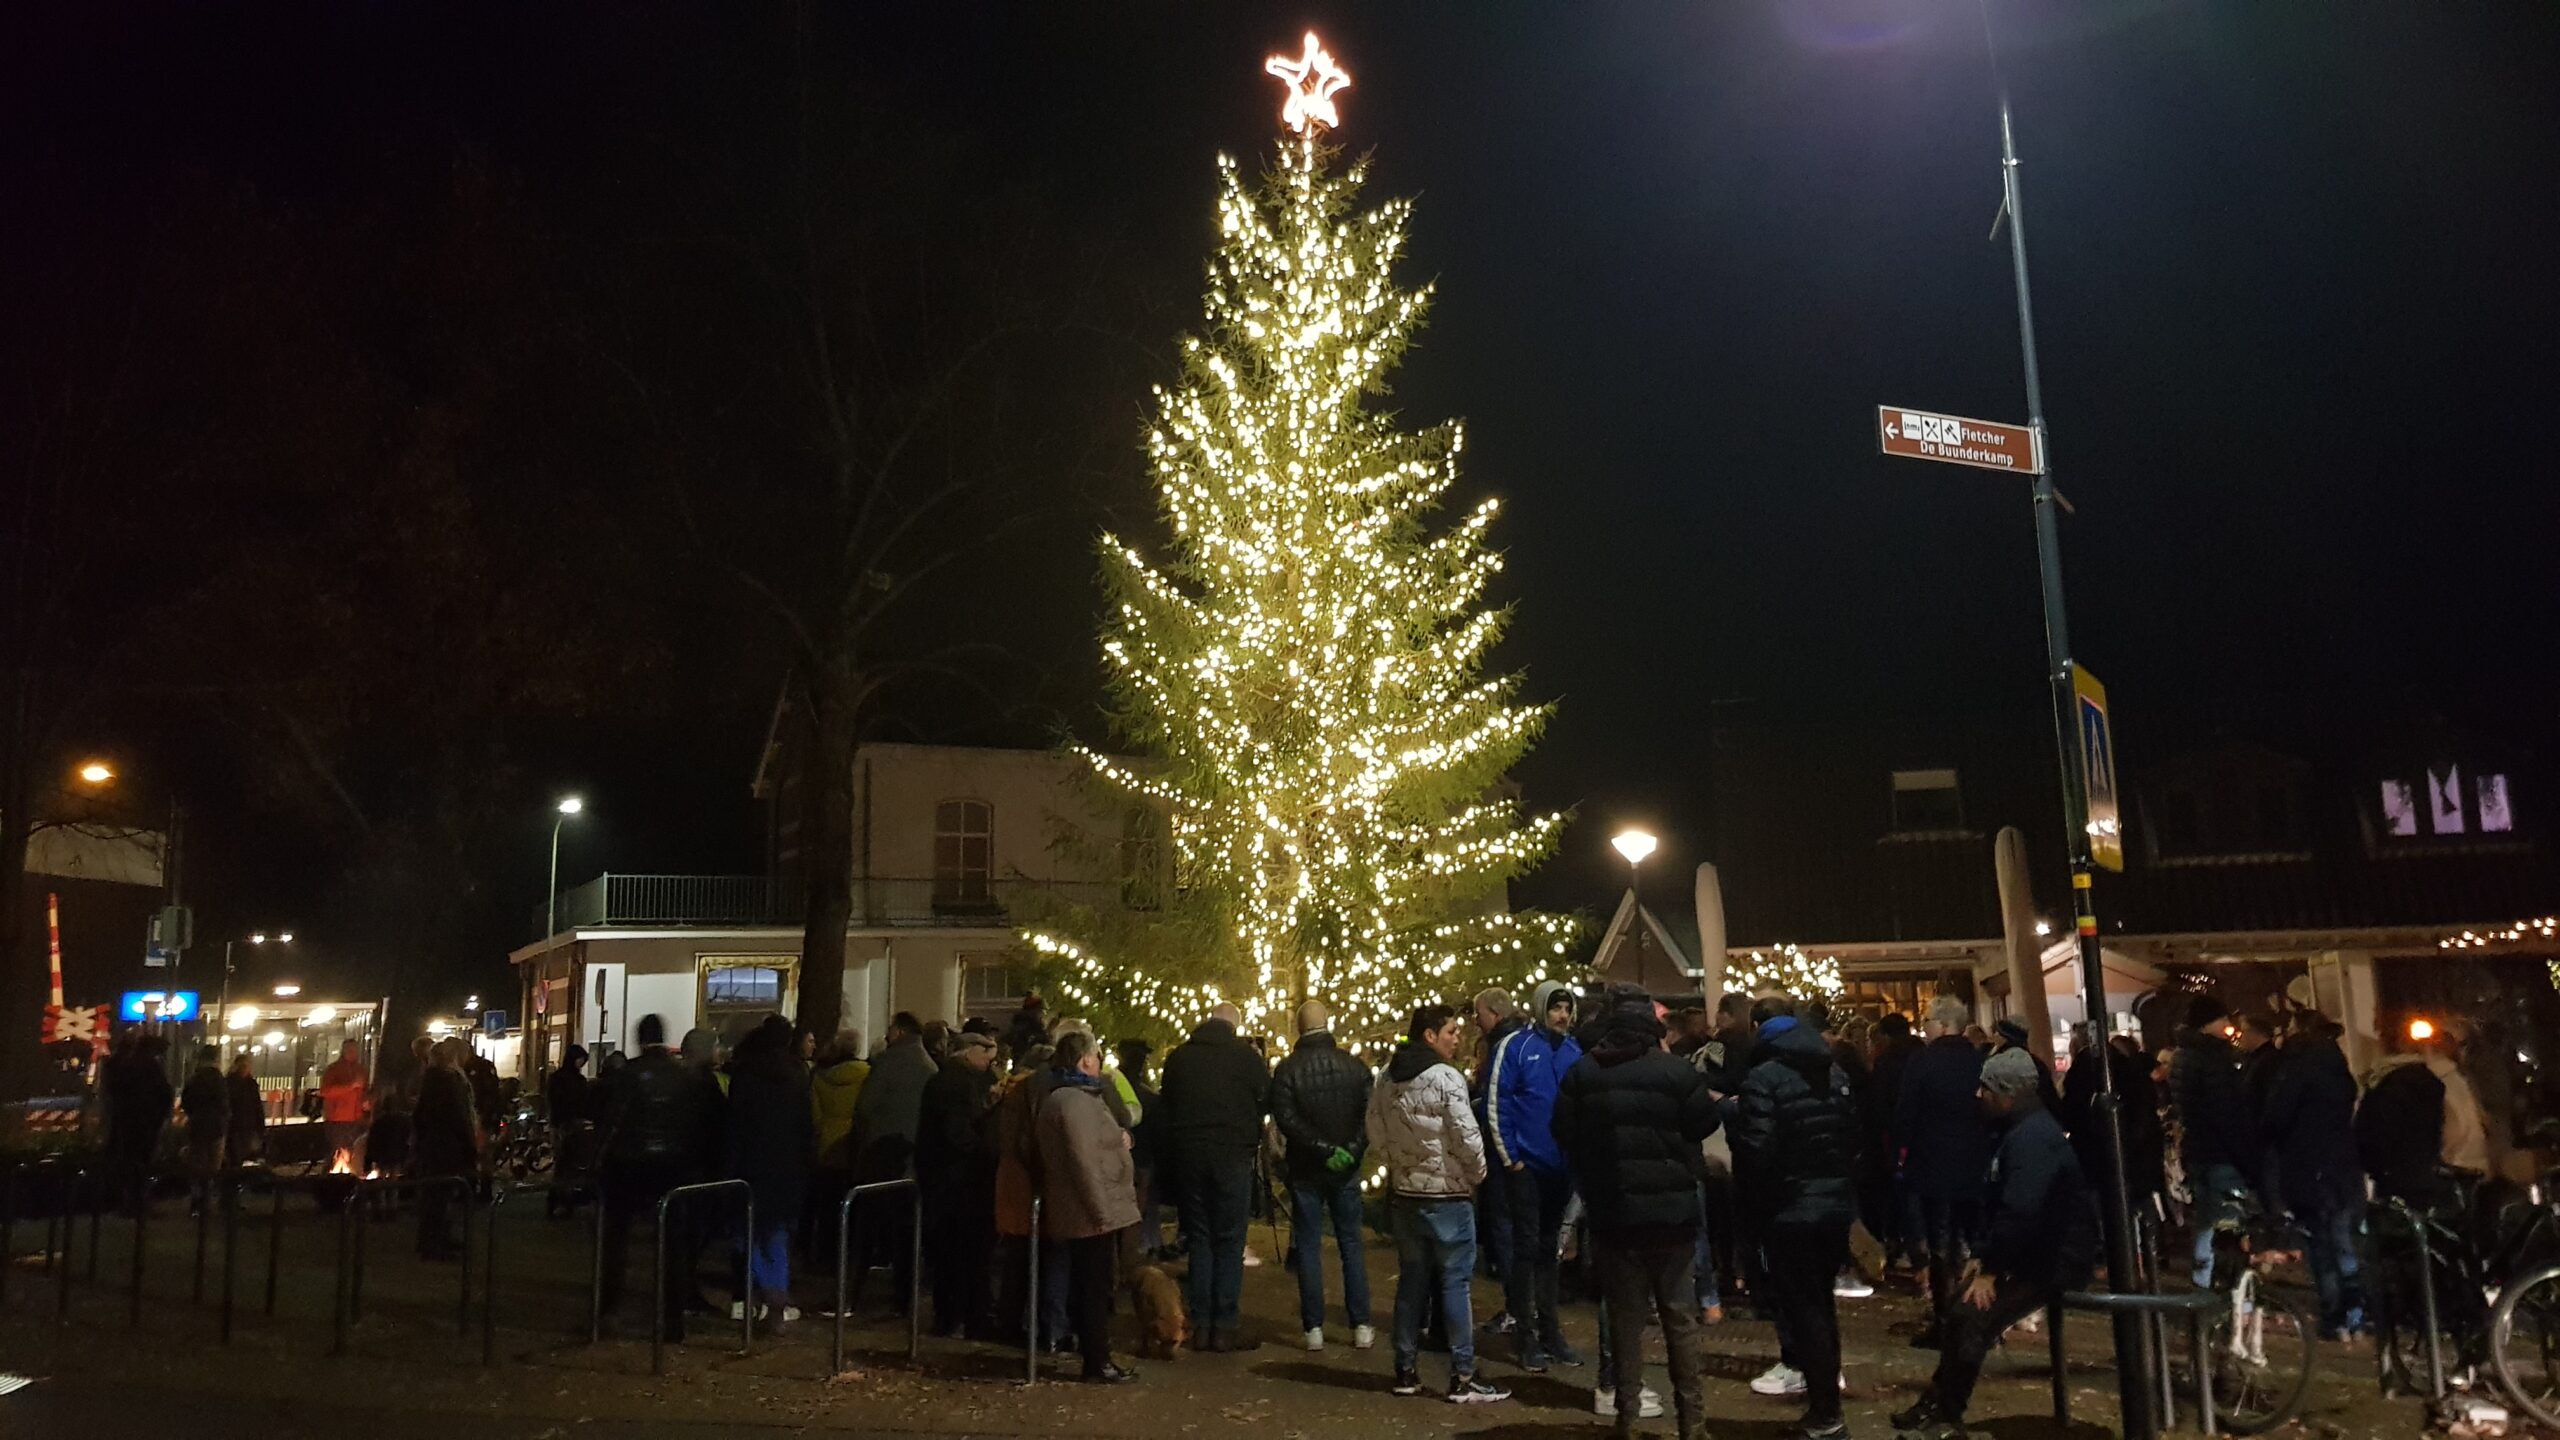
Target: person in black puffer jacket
1629, 1117
2310, 1122
657, 1117
2219, 1134
1320, 1101
1795, 1146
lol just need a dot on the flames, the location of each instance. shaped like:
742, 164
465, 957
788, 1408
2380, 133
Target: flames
342, 1162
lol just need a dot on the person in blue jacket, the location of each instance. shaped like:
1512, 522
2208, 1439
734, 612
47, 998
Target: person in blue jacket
1519, 1103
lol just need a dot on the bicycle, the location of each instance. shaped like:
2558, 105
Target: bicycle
2495, 1281
2260, 1339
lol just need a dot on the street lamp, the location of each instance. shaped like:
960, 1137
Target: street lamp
569, 805
97, 772
1635, 845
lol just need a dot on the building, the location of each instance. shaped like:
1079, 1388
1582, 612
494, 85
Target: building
946, 840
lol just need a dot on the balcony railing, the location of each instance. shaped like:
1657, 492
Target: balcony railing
713, 900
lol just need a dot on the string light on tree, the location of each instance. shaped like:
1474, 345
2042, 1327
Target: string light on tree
1299, 667
1786, 970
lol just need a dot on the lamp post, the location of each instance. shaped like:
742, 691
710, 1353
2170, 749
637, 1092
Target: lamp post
1635, 845
2133, 1357
569, 805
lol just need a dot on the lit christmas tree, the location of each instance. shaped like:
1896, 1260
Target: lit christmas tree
1785, 971
1300, 671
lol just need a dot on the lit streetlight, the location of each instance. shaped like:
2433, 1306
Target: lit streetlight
569, 805
287, 990
1635, 845
97, 772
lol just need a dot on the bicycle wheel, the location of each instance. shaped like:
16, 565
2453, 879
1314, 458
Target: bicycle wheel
2261, 1362
2524, 1343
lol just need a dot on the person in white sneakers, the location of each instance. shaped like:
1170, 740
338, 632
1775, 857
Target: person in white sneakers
1420, 1118
1320, 1101
1795, 1139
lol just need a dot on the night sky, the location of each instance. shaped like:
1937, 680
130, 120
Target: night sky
2293, 280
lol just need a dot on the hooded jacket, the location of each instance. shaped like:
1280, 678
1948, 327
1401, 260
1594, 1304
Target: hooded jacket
1629, 1118
1420, 1119
890, 1108
1520, 1093
2462, 1143
1795, 1131
2218, 1125
834, 1093
1320, 1101
1216, 1089
2041, 1225
2310, 1125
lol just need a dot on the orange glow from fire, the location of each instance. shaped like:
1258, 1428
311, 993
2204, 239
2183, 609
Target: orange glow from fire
342, 1162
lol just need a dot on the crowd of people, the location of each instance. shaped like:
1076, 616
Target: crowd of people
1676, 1158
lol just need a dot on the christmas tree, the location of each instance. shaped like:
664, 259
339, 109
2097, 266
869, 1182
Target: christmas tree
1300, 671
1786, 971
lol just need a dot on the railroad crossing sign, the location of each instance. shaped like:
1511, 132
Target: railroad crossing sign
1956, 440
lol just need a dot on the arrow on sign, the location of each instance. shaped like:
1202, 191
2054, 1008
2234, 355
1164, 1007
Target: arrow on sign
1892, 431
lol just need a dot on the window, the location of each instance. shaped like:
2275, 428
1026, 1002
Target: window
1926, 800
2450, 802
992, 986
963, 854
738, 991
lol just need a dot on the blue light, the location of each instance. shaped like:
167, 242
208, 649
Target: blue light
173, 1005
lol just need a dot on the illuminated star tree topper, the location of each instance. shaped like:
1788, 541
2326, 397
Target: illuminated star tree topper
1296, 664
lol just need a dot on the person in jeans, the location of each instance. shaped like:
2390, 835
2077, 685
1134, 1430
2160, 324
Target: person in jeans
1519, 1105
1944, 1148
2310, 1124
1795, 1153
1497, 1018
1420, 1118
2218, 1144
1319, 1098
2041, 1238
771, 1143
1088, 1194
1216, 1091
1629, 1117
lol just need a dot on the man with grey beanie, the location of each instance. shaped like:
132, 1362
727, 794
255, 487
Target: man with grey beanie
2039, 1238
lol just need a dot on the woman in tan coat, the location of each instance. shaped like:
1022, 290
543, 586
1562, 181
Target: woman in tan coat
1087, 1194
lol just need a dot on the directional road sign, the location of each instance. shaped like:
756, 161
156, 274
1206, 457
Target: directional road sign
1955, 440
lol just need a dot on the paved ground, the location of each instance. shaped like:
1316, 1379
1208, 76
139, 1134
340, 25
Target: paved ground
408, 1371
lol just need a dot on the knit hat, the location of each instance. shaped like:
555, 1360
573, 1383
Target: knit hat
968, 1040
2010, 1073
2012, 1030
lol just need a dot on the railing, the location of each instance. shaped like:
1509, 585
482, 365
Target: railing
613, 900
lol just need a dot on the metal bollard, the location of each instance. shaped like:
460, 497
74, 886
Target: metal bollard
342, 1296
2196, 1325
230, 1248
141, 1221
359, 1217
1031, 1326
462, 1303
275, 1238
844, 1259
2061, 1361
2427, 1304
595, 1291
62, 1272
747, 1273
915, 1276
204, 1234
489, 1285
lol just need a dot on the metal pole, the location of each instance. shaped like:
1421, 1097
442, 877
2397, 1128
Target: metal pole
595, 1294
489, 1286
362, 1219
341, 1294
2132, 1359
462, 1265
1031, 1326
70, 1217
539, 1036
657, 1289
915, 1277
747, 1311
2204, 1371
204, 1236
2427, 1304
275, 1238
133, 1296
844, 1223
230, 1248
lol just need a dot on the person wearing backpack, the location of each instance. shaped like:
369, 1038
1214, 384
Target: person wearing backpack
2417, 1120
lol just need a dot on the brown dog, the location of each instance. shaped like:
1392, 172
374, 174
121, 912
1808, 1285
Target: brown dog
1163, 1328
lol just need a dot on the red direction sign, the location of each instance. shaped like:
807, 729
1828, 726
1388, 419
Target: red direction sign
1956, 440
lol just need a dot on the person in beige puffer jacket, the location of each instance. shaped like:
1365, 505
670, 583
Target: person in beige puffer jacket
1086, 1192
1421, 1121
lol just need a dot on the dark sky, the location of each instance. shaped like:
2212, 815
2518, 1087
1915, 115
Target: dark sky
2293, 277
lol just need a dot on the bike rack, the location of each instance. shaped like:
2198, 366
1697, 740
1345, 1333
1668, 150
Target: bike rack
352, 1225
915, 1266
746, 1270
2195, 1306
1031, 1328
